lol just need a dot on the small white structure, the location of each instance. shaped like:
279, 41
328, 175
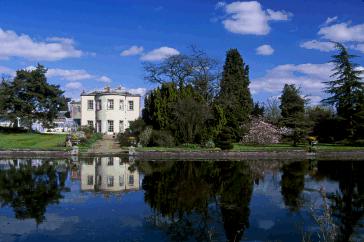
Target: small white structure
109, 111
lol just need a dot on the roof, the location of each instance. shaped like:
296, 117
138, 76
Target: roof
108, 91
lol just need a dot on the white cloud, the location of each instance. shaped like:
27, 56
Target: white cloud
74, 85
133, 50
309, 77
104, 79
250, 18
159, 54
330, 20
70, 75
140, 91
55, 48
343, 32
265, 50
318, 45
278, 15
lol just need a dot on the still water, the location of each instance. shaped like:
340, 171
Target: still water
116, 199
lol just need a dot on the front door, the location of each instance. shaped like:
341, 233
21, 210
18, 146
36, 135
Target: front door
98, 126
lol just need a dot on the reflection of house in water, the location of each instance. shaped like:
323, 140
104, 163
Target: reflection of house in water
16, 163
108, 174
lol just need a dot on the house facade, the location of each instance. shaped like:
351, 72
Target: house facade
109, 111
108, 174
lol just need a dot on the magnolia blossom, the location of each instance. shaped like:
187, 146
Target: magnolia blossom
261, 132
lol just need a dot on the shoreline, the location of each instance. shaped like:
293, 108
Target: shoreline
191, 155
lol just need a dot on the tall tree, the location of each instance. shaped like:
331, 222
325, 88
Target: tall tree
292, 111
346, 90
31, 98
234, 96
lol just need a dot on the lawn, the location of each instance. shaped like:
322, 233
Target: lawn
257, 148
32, 141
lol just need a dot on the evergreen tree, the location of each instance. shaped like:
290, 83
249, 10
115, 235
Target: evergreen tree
234, 96
30, 97
347, 91
292, 111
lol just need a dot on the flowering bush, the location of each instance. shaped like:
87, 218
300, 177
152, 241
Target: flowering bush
261, 132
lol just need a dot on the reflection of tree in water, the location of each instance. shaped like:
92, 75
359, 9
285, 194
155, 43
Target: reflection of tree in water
348, 204
189, 195
293, 183
29, 190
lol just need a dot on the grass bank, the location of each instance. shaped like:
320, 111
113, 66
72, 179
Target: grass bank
33, 141
256, 148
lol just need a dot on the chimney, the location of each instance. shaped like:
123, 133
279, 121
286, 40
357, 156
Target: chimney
107, 89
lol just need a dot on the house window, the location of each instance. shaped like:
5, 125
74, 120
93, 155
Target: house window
121, 180
98, 105
131, 180
90, 123
121, 126
90, 180
110, 181
110, 161
78, 109
90, 104
121, 105
110, 125
110, 104
131, 105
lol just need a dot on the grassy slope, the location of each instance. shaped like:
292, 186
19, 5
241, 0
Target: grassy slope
252, 148
32, 141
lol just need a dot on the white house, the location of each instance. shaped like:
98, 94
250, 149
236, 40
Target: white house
108, 174
109, 111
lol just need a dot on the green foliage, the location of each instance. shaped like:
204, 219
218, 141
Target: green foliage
158, 106
224, 139
322, 121
347, 92
30, 97
136, 127
234, 96
258, 110
293, 112
162, 138
145, 136
190, 116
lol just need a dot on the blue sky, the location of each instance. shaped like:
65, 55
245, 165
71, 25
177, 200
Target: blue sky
87, 44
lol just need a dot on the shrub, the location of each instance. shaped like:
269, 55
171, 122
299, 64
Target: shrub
261, 132
224, 139
126, 139
162, 138
190, 146
210, 144
88, 130
145, 136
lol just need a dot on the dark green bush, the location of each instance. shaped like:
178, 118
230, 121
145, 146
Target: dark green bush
224, 139
126, 139
162, 138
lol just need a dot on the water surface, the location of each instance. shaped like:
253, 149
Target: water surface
116, 199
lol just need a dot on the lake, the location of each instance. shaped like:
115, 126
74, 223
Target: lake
117, 199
